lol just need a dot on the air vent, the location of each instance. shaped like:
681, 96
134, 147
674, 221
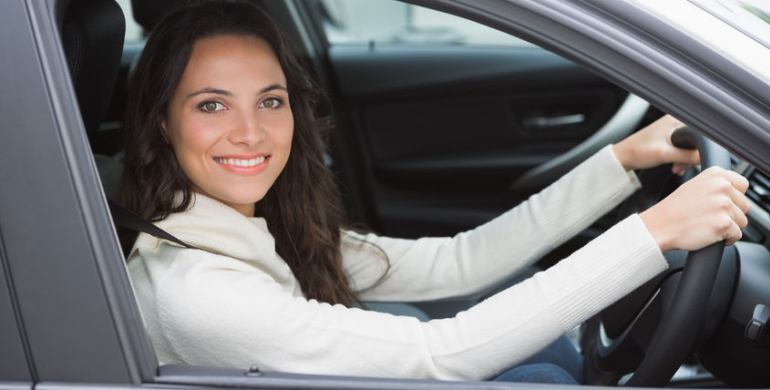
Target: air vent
734, 161
759, 189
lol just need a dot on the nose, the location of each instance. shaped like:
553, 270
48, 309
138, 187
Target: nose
248, 131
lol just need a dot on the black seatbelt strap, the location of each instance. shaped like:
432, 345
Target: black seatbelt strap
124, 217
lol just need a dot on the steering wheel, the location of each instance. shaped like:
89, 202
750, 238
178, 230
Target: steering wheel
677, 330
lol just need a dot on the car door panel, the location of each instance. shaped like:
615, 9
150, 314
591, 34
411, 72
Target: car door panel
14, 366
390, 70
445, 133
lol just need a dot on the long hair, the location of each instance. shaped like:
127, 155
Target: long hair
302, 208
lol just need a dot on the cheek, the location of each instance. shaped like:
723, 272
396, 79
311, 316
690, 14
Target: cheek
282, 131
287, 137
194, 137
289, 133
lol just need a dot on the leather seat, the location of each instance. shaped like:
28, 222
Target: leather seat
92, 37
148, 12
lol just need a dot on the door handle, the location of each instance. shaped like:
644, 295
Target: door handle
546, 122
623, 123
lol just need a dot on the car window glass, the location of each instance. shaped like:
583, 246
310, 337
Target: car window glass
752, 17
393, 22
134, 32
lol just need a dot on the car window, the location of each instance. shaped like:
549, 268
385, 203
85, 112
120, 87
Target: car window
134, 32
752, 17
392, 22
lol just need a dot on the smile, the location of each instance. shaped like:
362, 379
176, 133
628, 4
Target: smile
240, 162
243, 165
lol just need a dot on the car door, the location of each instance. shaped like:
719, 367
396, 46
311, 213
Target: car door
442, 124
14, 370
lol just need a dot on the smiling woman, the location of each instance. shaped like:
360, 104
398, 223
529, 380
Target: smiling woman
232, 60
230, 112
224, 151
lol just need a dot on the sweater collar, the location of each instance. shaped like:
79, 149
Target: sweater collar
215, 227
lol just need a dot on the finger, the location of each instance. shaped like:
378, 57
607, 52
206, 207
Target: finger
734, 234
679, 168
691, 157
738, 181
684, 156
670, 122
677, 154
740, 200
739, 217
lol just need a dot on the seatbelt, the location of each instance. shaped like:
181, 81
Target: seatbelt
126, 218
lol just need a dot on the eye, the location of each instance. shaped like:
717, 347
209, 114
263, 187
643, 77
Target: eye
271, 103
211, 106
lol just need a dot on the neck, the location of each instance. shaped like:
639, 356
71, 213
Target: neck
246, 210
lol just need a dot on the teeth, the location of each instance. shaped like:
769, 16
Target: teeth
239, 162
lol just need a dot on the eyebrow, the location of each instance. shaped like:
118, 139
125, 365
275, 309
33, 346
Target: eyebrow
228, 93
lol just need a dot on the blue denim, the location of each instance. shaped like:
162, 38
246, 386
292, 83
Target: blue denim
559, 363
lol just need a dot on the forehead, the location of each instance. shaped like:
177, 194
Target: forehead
237, 59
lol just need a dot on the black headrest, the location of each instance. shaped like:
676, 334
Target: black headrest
92, 35
147, 12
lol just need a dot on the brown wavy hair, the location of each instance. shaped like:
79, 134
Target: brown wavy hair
302, 208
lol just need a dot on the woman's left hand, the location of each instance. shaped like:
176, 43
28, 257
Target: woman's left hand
651, 146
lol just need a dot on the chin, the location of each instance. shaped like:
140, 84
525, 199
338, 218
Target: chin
237, 197
241, 200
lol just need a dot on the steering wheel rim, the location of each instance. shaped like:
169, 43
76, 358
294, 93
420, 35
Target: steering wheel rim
674, 337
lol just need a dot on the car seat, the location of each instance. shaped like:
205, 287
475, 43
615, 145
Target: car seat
92, 36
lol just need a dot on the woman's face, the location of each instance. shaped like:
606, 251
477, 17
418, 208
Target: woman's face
229, 120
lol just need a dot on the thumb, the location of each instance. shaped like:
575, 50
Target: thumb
681, 154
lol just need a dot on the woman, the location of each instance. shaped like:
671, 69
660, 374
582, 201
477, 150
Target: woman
224, 151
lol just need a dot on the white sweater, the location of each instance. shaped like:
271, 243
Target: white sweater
236, 303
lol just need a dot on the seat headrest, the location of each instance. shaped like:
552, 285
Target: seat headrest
92, 36
147, 12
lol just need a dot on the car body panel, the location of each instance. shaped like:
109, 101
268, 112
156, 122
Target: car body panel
56, 227
14, 367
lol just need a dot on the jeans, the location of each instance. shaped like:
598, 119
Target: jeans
559, 362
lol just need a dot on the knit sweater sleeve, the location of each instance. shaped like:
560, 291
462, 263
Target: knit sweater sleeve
432, 268
216, 310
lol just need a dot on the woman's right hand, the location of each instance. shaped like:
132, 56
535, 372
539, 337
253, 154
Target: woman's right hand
709, 208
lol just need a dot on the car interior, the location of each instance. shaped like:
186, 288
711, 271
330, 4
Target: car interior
418, 172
